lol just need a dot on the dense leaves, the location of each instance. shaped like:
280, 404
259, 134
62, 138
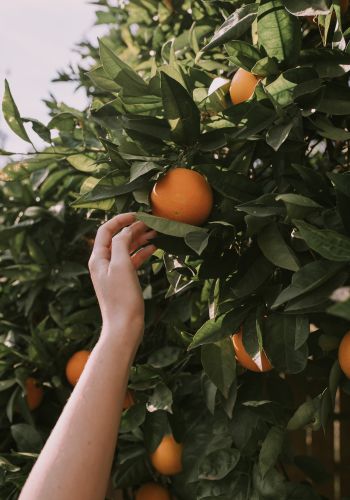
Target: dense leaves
272, 258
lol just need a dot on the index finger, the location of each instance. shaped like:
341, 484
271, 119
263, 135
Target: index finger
106, 232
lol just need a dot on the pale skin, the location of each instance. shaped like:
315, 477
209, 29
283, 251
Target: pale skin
76, 460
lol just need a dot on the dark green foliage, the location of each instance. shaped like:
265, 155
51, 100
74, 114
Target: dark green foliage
272, 256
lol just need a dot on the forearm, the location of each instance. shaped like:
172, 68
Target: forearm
77, 457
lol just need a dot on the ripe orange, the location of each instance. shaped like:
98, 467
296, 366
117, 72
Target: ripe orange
75, 366
152, 491
260, 363
344, 354
182, 195
242, 86
34, 394
167, 457
129, 400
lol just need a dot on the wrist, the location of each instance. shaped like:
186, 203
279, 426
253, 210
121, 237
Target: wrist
128, 334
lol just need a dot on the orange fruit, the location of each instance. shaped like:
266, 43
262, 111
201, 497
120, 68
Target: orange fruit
167, 457
182, 195
260, 363
34, 394
242, 86
75, 366
128, 400
344, 354
152, 491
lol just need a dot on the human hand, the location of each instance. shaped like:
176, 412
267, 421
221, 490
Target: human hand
116, 256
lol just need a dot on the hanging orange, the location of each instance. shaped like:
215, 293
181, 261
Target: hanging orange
182, 195
260, 363
75, 366
34, 394
152, 491
242, 86
167, 459
344, 354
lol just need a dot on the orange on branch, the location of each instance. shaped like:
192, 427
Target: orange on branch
34, 394
260, 363
75, 366
167, 459
242, 86
344, 354
152, 491
182, 195
129, 400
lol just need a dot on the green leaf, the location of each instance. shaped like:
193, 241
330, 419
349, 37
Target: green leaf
278, 31
335, 100
325, 128
161, 399
133, 418
271, 449
275, 249
280, 339
266, 66
278, 134
253, 277
308, 278
27, 438
180, 111
156, 426
131, 83
218, 464
86, 188
219, 364
242, 54
104, 192
12, 116
83, 163
306, 7
293, 83
165, 356
39, 128
101, 80
234, 186
169, 227
5, 465
6, 384
329, 63
7, 232
304, 415
234, 26
341, 310
218, 328
328, 243
197, 241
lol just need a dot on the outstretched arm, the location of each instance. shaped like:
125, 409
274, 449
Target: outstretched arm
76, 460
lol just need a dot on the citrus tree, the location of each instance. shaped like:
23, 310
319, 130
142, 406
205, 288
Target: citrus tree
224, 126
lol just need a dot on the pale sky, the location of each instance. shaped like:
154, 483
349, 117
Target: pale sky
37, 39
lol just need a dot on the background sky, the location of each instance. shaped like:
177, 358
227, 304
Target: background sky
37, 38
